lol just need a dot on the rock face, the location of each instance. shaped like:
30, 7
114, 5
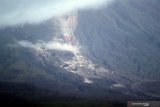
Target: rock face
118, 55
124, 36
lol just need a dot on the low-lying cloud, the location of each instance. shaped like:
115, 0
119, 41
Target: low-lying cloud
51, 45
16, 12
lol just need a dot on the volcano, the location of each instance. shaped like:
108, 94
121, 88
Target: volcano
93, 57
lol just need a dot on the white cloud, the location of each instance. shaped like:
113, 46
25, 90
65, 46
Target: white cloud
52, 45
15, 12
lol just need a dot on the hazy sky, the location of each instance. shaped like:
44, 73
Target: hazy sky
15, 12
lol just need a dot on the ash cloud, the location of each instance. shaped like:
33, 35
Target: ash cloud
18, 12
51, 45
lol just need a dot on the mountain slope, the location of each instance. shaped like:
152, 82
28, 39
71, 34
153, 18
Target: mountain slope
117, 58
123, 36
